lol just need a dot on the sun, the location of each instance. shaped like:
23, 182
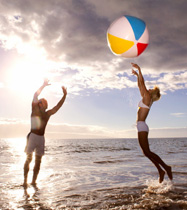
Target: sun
27, 75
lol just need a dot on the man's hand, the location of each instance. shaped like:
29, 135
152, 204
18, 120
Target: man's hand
46, 82
64, 90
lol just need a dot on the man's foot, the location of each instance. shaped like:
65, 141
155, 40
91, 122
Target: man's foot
25, 185
33, 183
169, 172
161, 174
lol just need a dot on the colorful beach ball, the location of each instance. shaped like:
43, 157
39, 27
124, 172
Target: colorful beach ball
128, 36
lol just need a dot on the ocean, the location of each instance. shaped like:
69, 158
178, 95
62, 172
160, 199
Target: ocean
94, 174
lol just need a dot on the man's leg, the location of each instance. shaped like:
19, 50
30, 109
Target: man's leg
26, 168
36, 168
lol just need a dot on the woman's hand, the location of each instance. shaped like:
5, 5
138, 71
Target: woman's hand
135, 65
134, 72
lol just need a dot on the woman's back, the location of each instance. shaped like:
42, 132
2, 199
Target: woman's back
143, 109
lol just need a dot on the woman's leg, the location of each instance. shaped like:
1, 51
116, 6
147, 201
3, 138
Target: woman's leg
157, 161
143, 140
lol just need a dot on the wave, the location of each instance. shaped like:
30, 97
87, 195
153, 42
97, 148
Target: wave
85, 147
108, 161
153, 196
84, 150
127, 198
88, 149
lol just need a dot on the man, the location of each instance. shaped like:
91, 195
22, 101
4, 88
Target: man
35, 139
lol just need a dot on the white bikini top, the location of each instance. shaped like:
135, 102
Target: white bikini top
141, 104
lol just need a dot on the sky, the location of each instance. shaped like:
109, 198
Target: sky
65, 41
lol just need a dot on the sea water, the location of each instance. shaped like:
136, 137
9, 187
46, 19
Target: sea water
94, 174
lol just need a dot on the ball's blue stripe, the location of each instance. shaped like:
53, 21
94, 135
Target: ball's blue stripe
138, 26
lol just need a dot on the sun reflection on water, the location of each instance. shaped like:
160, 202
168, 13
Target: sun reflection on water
75, 175
13, 194
14, 164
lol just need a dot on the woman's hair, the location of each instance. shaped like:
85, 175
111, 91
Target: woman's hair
155, 94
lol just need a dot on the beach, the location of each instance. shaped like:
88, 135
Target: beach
94, 174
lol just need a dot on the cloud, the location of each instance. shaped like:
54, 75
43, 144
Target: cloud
170, 81
1, 85
12, 121
14, 128
73, 34
174, 132
179, 114
77, 131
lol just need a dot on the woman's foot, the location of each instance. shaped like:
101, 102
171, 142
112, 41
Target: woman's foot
169, 172
161, 174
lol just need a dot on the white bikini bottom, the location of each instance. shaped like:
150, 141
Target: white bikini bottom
142, 126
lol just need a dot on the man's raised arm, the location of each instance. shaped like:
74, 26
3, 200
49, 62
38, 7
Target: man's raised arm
60, 103
37, 93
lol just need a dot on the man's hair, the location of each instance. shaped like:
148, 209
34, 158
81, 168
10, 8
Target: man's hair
44, 101
155, 94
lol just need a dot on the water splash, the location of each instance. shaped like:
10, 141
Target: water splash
153, 186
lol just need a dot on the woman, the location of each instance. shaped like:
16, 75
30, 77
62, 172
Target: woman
148, 97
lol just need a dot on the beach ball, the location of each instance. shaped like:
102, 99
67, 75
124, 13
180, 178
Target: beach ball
128, 36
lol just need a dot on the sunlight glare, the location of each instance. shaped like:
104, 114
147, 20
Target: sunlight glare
17, 146
26, 76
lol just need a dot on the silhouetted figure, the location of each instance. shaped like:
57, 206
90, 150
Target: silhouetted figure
36, 139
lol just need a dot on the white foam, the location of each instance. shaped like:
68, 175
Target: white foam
159, 188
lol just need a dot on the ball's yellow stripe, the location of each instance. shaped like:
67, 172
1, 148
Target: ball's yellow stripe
118, 45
